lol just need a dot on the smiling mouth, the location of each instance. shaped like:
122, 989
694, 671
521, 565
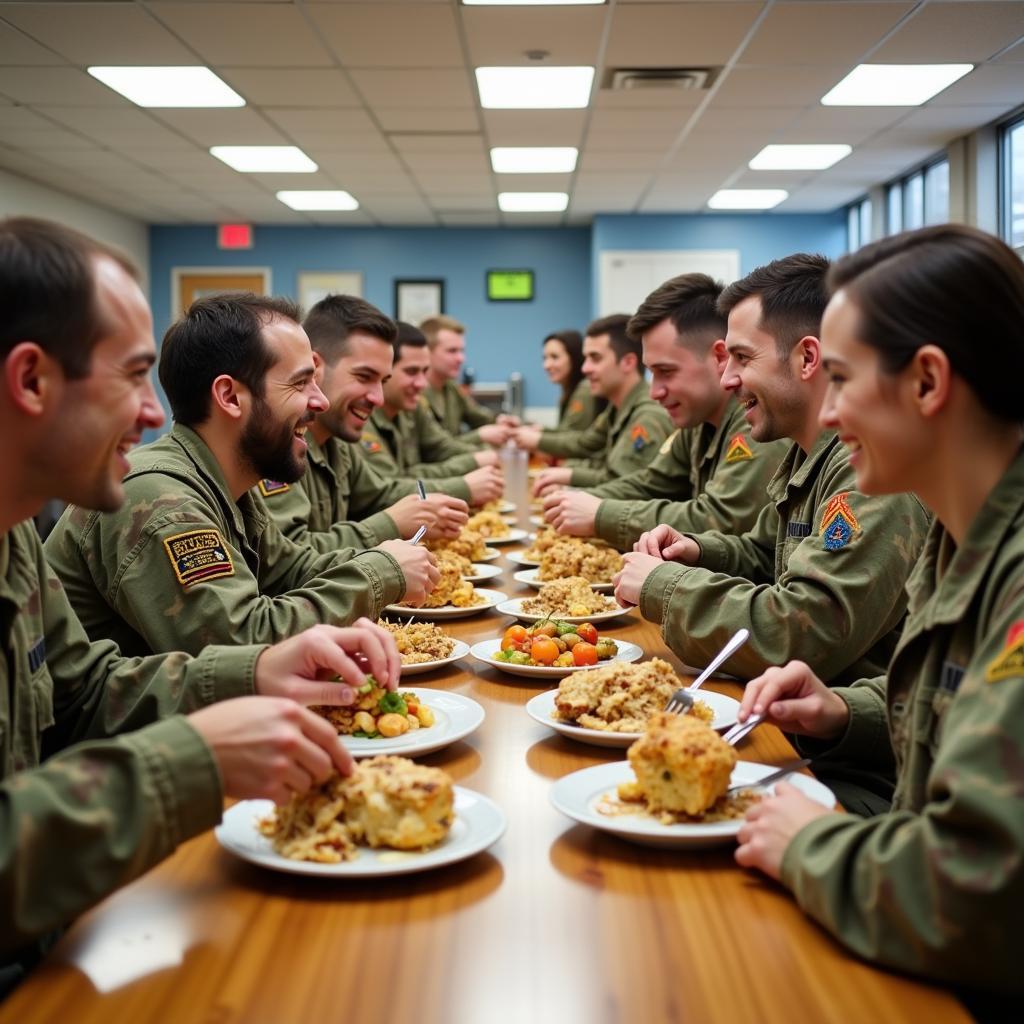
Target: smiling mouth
748, 403
127, 444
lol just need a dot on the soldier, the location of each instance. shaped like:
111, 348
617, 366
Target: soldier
403, 439
191, 557
936, 886
625, 437
709, 475
343, 490
77, 345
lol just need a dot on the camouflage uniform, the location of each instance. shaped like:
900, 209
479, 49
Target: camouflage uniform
414, 444
93, 817
819, 577
619, 442
181, 564
580, 409
339, 499
936, 887
452, 408
704, 478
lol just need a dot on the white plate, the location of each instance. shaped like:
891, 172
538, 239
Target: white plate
515, 607
460, 650
529, 577
577, 795
489, 555
455, 718
479, 823
505, 507
482, 572
537, 519
486, 649
516, 558
513, 535
541, 707
492, 598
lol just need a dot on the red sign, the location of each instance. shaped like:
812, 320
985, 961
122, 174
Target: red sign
234, 236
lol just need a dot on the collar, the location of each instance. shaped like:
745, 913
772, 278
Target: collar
797, 468
383, 423
732, 423
633, 398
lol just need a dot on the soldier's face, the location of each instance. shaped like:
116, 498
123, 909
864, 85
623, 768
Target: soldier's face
687, 385
449, 353
557, 364
354, 385
101, 416
765, 385
408, 379
603, 371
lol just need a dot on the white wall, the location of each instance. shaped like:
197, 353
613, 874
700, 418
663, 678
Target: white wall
21, 197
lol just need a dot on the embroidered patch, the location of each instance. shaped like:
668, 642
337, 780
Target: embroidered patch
1010, 662
370, 444
576, 407
738, 450
37, 654
199, 556
641, 439
268, 488
799, 530
951, 676
838, 523
667, 446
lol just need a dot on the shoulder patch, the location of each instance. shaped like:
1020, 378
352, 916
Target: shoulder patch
198, 556
666, 446
576, 406
838, 523
738, 450
370, 444
1010, 662
268, 488
641, 439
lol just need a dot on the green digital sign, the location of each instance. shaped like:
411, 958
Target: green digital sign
510, 285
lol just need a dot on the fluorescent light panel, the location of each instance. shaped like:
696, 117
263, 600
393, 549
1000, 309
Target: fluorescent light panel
318, 199
533, 202
747, 198
893, 85
266, 159
799, 157
533, 159
169, 87
534, 88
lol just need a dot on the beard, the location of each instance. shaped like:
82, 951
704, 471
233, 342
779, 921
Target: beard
266, 445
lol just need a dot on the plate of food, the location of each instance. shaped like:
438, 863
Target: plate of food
520, 558
514, 534
565, 557
500, 505
537, 519
391, 817
572, 599
483, 600
540, 655
489, 555
480, 571
514, 606
423, 646
674, 791
531, 578
470, 545
493, 527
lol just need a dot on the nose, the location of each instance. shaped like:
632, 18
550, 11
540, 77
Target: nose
151, 413
317, 399
827, 414
375, 396
658, 391
731, 377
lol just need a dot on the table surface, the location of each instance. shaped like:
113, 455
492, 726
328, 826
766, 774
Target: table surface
556, 922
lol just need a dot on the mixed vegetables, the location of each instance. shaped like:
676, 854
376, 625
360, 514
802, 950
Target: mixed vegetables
381, 713
553, 643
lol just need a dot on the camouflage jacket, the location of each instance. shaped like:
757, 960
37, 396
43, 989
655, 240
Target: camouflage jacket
937, 886
452, 408
181, 564
704, 478
414, 444
819, 577
340, 499
580, 409
93, 816
619, 442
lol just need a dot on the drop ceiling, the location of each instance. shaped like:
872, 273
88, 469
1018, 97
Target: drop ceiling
381, 96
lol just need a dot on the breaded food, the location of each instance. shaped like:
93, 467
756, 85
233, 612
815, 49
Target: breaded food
387, 801
573, 596
488, 524
419, 641
462, 564
451, 589
469, 544
681, 764
570, 556
546, 536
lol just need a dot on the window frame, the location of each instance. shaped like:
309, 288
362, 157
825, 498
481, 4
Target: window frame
919, 171
1006, 129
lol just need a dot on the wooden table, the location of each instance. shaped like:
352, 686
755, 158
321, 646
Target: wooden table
556, 922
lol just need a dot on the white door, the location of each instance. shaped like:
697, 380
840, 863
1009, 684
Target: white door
629, 276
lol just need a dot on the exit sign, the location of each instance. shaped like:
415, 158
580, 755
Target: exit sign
234, 236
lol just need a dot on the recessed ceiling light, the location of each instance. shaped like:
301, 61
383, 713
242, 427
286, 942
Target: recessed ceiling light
747, 198
533, 202
534, 88
250, 159
169, 87
533, 159
319, 199
893, 85
799, 157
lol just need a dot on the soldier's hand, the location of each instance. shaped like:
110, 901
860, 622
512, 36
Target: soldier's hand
494, 434
769, 826
486, 457
450, 515
795, 699
270, 747
527, 438
508, 421
419, 567
572, 512
550, 479
630, 579
668, 544
485, 484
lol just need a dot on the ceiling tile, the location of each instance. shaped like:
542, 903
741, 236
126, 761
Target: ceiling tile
17, 48
724, 120
852, 125
295, 87
115, 127
991, 83
474, 201
240, 126
413, 143
58, 86
427, 89
458, 163
274, 182
501, 35
36, 139
328, 145
954, 32
415, 119
470, 220
534, 127
788, 180
621, 160
340, 121
649, 99
777, 87
382, 172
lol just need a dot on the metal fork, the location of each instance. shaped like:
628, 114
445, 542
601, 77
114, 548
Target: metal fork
682, 700
786, 769
740, 729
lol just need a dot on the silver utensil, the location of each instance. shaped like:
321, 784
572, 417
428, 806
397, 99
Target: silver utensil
741, 729
786, 769
418, 535
682, 700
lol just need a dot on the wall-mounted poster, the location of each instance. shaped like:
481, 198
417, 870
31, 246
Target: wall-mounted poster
416, 300
315, 285
510, 285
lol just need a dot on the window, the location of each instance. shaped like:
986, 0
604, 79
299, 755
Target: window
1012, 172
894, 208
919, 198
936, 193
858, 225
913, 202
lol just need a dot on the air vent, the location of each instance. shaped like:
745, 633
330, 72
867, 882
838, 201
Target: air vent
660, 78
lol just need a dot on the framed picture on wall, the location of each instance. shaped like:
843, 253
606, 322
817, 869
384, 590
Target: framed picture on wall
314, 285
509, 285
415, 300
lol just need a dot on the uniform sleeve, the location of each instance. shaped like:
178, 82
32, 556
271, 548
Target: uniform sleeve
828, 607
443, 455
474, 415
571, 444
938, 892
635, 447
581, 410
667, 476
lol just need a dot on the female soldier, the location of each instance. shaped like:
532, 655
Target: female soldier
923, 342
563, 363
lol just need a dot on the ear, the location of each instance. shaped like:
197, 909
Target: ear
719, 356
806, 356
629, 362
319, 366
930, 378
33, 378
230, 397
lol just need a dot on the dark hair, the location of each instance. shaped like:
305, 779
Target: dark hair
48, 290
217, 335
952, 286
689, 301
330, 322
793, 297
615, 327
408, 335
572, 342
